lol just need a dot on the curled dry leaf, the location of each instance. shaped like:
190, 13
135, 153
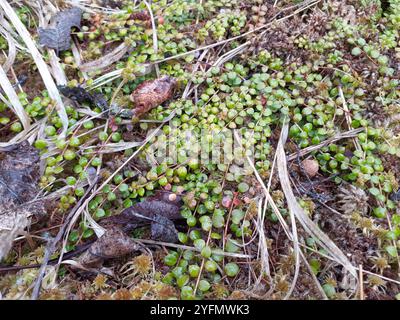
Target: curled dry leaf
19, 174
143, 213
59, 37
158, 211
152, 93
81, 95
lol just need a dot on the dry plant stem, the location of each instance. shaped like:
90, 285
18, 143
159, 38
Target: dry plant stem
16, 79
202, 264
105, 77
263, 246
42, 67
348, 118
226, 227
58, 72
262, 250
274, 207
24, 135
198, 13
51, 247
296, 247
12, 96
361, 280
268, 195
184, 247
12, 50
69, 255
339, 136
78, 58
388, 219
89, 6
318, 285
308, 225
106, 60
318, 252
122, 83
117, 73
155, 39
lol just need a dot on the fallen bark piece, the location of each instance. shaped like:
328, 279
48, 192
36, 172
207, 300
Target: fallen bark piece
59, 37
158, 211
152, 93
19, 175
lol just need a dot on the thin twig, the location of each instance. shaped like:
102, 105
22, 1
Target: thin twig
343, 135
154, 29
184, 247
361, 280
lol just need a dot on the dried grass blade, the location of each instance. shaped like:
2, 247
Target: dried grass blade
14, 100
120, 146
344, 135
58, 72
309, 226
105, 60
12, 50
41, 65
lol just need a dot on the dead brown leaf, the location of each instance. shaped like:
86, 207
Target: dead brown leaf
19, 174
152, 93
157, 211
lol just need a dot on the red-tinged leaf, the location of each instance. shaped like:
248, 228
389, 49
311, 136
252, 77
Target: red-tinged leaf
112, 125
264, 100
226, 202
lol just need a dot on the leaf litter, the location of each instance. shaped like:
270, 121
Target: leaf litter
58, 36
289, 70
19, 176
152, 93
158, 211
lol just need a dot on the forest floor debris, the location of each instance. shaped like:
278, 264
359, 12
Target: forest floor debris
218, 149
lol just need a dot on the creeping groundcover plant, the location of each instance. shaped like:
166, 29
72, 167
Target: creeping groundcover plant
184, 149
